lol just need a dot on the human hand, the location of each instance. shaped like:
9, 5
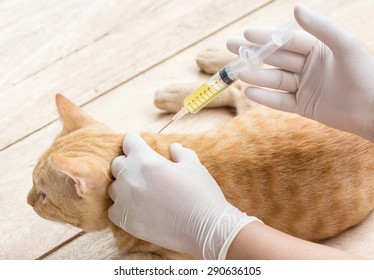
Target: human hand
325, 75
175, 204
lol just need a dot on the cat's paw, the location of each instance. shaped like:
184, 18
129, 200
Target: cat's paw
170, 99
212, 60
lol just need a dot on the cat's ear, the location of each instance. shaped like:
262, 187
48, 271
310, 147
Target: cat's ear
77, 169
71, 115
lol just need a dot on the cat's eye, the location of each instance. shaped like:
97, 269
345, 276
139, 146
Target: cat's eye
42, 195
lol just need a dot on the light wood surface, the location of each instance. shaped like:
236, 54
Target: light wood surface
111, 56
86, 48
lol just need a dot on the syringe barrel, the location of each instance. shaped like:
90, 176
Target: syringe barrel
213, 86
226, 75
232, 69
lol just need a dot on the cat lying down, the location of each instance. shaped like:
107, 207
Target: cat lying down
294, 174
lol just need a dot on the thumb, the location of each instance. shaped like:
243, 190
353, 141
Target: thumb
118, 165
118, 215
322, 28
181, 154
133, 142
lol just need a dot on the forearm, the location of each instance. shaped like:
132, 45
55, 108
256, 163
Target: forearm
259, 241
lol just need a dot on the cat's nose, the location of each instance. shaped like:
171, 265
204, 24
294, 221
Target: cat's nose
30, 200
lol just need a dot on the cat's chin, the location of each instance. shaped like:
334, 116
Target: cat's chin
96, 225
90, 225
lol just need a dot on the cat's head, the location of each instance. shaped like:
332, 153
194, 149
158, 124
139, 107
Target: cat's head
70, 180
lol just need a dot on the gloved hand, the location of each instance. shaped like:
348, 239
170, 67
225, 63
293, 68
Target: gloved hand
174, 204
328, 78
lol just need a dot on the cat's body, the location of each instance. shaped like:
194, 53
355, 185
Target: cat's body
294, 174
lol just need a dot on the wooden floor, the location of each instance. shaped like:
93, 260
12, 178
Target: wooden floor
110, 57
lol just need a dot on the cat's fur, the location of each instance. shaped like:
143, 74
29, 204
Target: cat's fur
294, 174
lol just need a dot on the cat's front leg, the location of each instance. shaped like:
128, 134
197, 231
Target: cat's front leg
170, 98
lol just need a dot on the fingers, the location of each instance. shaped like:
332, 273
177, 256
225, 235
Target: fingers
292, 62
112, 192
119, 220
270, 78
276, 100
181, 154
118, 165
283, 59
133, 142
234, 44
112, 215
322, 28
301, 42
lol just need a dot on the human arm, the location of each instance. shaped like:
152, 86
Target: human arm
259, 241
178, 205
325, 74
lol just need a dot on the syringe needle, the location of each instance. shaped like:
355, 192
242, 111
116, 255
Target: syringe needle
182, 112
165, 126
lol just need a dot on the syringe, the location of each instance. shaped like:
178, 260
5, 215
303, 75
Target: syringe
211, 88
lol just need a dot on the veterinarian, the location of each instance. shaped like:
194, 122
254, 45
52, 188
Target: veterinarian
325, 74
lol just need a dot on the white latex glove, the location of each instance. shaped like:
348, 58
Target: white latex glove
328, 78
174, 204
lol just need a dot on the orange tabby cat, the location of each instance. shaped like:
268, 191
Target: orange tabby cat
294, 174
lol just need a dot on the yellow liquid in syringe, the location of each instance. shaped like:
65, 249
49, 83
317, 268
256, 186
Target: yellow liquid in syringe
209, 90
203, 95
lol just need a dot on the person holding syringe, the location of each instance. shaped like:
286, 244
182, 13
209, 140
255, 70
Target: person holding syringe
325, 74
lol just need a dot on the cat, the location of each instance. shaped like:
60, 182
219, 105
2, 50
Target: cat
296, 175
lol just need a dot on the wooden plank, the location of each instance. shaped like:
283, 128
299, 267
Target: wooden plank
359, 240
90, 246
37, 34
85, 66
